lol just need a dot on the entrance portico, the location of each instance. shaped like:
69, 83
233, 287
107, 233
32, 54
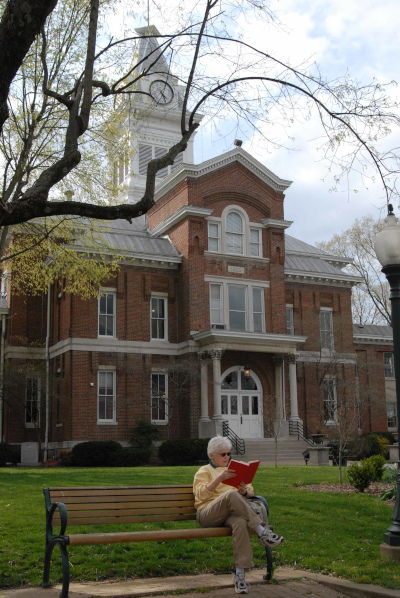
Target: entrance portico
240, 406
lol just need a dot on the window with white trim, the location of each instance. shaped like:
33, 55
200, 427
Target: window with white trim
106, 403
107, 314
159, 400
32, 402
237, 307
389, 365
214, 236
233, 233
326, 328
330, 400
216, 306
391, 415
159, 318
255, 242
289, 319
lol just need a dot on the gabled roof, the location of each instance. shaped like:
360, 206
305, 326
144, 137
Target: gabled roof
236, 155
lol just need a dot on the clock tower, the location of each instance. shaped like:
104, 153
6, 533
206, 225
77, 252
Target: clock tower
153, 117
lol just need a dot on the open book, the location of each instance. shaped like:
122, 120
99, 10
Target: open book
245, 472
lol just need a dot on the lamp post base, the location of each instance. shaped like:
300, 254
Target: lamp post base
390, 553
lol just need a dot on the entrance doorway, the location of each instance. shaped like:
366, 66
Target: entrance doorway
241, 402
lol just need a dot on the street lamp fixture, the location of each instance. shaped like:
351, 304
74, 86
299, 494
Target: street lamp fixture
387, 248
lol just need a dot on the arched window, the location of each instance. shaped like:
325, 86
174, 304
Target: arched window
234, 233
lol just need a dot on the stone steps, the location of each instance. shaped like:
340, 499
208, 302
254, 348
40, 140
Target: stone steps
289, 451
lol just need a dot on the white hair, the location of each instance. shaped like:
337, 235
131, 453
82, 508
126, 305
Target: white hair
218, 443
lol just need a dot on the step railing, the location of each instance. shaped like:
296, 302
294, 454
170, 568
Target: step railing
298, 429
237, 443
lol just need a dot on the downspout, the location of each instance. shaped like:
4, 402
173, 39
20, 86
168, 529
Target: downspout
2, 360
47, 390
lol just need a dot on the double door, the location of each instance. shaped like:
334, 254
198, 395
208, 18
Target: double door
242, 411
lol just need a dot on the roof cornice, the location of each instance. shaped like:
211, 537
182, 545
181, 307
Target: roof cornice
177, 216
236, 155
321, 279
274, 223
377, 339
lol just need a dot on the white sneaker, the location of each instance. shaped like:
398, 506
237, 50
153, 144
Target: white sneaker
241, 587
268, 538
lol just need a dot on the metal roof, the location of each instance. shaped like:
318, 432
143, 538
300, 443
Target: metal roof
373, 331
133, 239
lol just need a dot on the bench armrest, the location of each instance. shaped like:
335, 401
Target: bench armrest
49, 520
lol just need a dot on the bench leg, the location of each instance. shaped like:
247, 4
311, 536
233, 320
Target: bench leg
268, 554
65, 566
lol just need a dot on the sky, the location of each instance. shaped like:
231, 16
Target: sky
358, 36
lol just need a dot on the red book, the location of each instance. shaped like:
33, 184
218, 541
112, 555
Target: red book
245, 472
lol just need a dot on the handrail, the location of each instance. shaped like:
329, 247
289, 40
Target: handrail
237, 443
297, 428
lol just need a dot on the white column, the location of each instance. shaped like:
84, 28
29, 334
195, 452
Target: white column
278, 361
203, 357
294, 411
216, 355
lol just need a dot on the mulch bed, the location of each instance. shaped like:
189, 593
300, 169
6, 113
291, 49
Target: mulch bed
376, 488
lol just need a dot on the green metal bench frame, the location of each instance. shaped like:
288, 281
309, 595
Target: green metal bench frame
121, 504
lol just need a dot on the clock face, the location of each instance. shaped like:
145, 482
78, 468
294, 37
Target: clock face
161, 91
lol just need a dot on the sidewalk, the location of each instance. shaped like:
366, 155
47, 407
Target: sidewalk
288, 583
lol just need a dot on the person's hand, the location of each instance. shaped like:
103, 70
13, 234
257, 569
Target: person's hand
226, 474
242, 488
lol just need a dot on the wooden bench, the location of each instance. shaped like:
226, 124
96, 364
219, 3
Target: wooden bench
114, 505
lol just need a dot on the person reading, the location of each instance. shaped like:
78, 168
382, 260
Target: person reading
218, 504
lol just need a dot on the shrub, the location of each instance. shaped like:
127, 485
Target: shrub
144, 434
389, 435
131, 457
365, 446
360, 475
377, 462
95, 453
183, 451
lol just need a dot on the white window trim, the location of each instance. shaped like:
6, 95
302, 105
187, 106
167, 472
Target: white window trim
384, 365
218, 225
247, 225
159, 422
331, 422
326, 349
108, 370
224, 283
107, 291
163, 296
291, 307
33, 424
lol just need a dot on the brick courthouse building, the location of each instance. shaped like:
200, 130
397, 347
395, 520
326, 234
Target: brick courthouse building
216, 314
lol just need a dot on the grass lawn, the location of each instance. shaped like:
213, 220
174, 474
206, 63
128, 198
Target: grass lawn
325, 533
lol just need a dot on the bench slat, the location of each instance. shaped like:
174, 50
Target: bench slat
149, 536
128, 505
127, 512
132, 519
89, 500
120, 491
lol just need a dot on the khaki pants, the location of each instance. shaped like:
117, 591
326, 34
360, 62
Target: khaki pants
231, 510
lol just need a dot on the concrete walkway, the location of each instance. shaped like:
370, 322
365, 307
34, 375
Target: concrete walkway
288, 583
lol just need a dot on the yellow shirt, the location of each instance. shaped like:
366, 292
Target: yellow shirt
205, 476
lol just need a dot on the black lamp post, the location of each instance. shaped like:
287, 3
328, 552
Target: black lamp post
387, 247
